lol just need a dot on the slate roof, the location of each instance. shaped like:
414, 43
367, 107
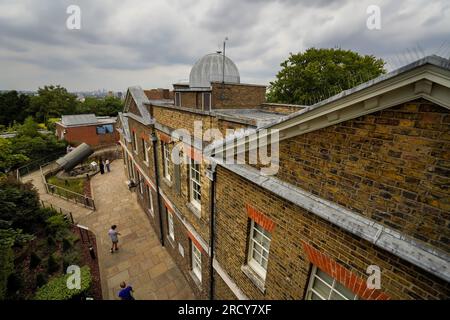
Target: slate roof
141, 99
79, 119
125, 127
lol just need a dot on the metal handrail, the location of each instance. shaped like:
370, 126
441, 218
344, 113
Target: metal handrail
70, 195
64, 193
66, 213
38, 163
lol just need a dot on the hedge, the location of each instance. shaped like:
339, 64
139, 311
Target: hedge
56, 289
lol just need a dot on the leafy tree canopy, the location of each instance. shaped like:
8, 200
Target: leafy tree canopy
13, 107
19, 205
108, 106
29, 128
52, 101
9, 159
317, 74
28, 145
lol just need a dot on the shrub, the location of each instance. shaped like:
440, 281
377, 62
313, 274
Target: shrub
66, 244
6, 261
52, 264
19, 205
9, 238
51, 241
46, 213
57, 225
71, 258
34, 260
56, 289
15, 283
41, 279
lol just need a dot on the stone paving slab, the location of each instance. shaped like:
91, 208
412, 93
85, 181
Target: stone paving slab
140, 261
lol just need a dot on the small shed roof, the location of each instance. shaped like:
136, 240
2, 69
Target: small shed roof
79, 119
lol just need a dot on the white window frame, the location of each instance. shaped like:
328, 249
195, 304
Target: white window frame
135, 147
125, 157
332, 287
203, 101
179, 99
192, 182
170, 225
196, 261
130, 168
166, 161
134, 173
253, 244
141, 189
145, 151
150, 200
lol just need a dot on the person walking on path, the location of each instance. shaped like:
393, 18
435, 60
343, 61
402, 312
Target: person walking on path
114, 235
102, 166
107, 165
126, 292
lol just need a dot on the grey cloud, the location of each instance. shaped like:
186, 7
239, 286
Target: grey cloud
131, 36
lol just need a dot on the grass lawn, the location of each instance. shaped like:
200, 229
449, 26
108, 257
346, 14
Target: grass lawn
75, 185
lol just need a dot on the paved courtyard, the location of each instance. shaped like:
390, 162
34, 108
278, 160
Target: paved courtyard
140, 261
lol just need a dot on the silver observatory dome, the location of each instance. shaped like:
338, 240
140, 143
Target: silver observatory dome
209, 69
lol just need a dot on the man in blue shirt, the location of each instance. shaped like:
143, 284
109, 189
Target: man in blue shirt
125, 292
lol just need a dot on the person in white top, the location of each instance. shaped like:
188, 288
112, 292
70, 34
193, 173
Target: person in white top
114, 235
107, 165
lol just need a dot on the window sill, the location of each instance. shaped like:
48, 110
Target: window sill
195, 210
197, 281
167, 182
254, 278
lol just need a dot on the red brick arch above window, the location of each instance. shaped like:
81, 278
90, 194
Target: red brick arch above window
168, 205
145, 136
192, 153
347, 278
195, 242
164, 137
260, 218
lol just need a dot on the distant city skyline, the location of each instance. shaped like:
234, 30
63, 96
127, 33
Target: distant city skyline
155, 43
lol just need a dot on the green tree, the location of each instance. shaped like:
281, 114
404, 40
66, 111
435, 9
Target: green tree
52, 101
13, 107
29, 128
109, 106
34, 145
19, 206
317, 74
9, 159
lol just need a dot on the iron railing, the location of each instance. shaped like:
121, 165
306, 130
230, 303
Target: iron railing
66, 194
36, 164
66, 213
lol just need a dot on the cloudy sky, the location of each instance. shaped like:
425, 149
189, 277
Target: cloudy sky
154, 43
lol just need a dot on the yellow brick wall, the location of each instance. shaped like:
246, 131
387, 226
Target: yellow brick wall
289, 268
391, 166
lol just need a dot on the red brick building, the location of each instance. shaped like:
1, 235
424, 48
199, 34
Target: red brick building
95, 131
356, 208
